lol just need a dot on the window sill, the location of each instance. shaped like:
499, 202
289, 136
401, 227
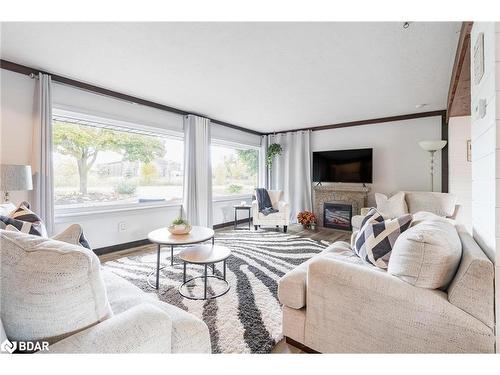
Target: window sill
67, 213
229, 198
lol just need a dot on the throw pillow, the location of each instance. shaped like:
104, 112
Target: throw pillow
24, 214
20, 226
427, 255
376, 239
392, 207
50, 289
73, 235
372, 215
6, 208
358, 240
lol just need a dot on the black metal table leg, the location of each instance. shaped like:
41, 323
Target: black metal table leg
235, 218
171, 255
206, 278
213, 268
224, 272
249, 218
184, 273
213, 240
158, 267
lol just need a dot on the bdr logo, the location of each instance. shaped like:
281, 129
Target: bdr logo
24, 346
8, 346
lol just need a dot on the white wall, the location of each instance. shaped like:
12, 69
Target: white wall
497, 175
17, 108
103, 229
460, 170
485, 134
398, 162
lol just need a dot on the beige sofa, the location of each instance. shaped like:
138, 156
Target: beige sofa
56, 292
441, 204
335, 303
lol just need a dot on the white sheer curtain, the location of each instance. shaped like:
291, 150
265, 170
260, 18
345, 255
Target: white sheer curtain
43, 189
263, 171
291, 171
197, 200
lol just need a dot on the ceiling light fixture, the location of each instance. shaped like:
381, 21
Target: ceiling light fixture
406, 25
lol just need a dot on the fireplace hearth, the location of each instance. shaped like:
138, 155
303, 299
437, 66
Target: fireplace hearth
337, 216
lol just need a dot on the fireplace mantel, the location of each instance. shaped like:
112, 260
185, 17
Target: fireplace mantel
339, 193
341, 187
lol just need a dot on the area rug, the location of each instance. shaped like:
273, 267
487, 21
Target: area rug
248, 318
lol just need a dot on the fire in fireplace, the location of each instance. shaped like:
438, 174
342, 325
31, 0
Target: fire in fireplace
337, 216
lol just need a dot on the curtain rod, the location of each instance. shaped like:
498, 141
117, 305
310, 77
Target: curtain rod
33, 73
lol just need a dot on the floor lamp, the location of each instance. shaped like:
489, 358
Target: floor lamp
432, 147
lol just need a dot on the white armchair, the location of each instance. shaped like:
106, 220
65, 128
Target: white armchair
280, 218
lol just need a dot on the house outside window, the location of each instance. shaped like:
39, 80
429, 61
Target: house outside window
98, 164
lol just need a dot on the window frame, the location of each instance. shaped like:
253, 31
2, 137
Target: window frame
118, 125
240, 146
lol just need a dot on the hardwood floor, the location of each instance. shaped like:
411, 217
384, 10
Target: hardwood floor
321, 234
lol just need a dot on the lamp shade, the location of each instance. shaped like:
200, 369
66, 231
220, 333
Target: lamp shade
15, 177
432, 145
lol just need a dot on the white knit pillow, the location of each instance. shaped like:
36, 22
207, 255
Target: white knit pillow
50, 289
427, 255
392, 207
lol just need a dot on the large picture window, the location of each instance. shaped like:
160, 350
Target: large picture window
98, 165
234, 170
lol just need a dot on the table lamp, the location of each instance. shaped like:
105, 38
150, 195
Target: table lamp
15, 178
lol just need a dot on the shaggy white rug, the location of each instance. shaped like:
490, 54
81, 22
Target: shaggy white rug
248, 318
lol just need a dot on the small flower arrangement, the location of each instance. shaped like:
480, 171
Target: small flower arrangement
307, 219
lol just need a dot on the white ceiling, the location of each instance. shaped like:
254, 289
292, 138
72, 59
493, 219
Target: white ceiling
262, 76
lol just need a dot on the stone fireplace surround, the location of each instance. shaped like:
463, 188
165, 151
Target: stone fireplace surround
355, 195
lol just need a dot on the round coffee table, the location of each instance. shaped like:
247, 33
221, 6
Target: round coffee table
163, 237
205, 255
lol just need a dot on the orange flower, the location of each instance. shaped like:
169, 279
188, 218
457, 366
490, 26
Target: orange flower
306, 217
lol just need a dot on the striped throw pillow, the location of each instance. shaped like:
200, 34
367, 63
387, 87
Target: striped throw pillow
376, 239
25, 220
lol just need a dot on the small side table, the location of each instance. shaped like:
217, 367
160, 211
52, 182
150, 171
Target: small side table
204, 255
236, 209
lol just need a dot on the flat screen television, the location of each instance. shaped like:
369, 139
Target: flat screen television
343, 166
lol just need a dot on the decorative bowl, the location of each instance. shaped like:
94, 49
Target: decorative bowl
179, 228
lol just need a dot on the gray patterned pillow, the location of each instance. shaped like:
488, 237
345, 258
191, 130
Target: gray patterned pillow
375, 240
27, 221
9, 223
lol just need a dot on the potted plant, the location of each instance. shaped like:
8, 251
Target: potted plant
307, 219
273, 150
179, 226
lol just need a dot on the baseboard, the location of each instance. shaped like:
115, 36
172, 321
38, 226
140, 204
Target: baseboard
121, 246
230, 223
300, 346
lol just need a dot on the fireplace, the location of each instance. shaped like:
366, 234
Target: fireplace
337, 216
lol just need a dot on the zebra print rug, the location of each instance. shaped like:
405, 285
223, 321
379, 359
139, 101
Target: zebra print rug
247, 319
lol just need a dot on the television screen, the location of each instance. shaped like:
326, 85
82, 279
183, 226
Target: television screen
343, 166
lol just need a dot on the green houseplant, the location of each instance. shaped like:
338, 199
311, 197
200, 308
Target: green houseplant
179, 226
273, 150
